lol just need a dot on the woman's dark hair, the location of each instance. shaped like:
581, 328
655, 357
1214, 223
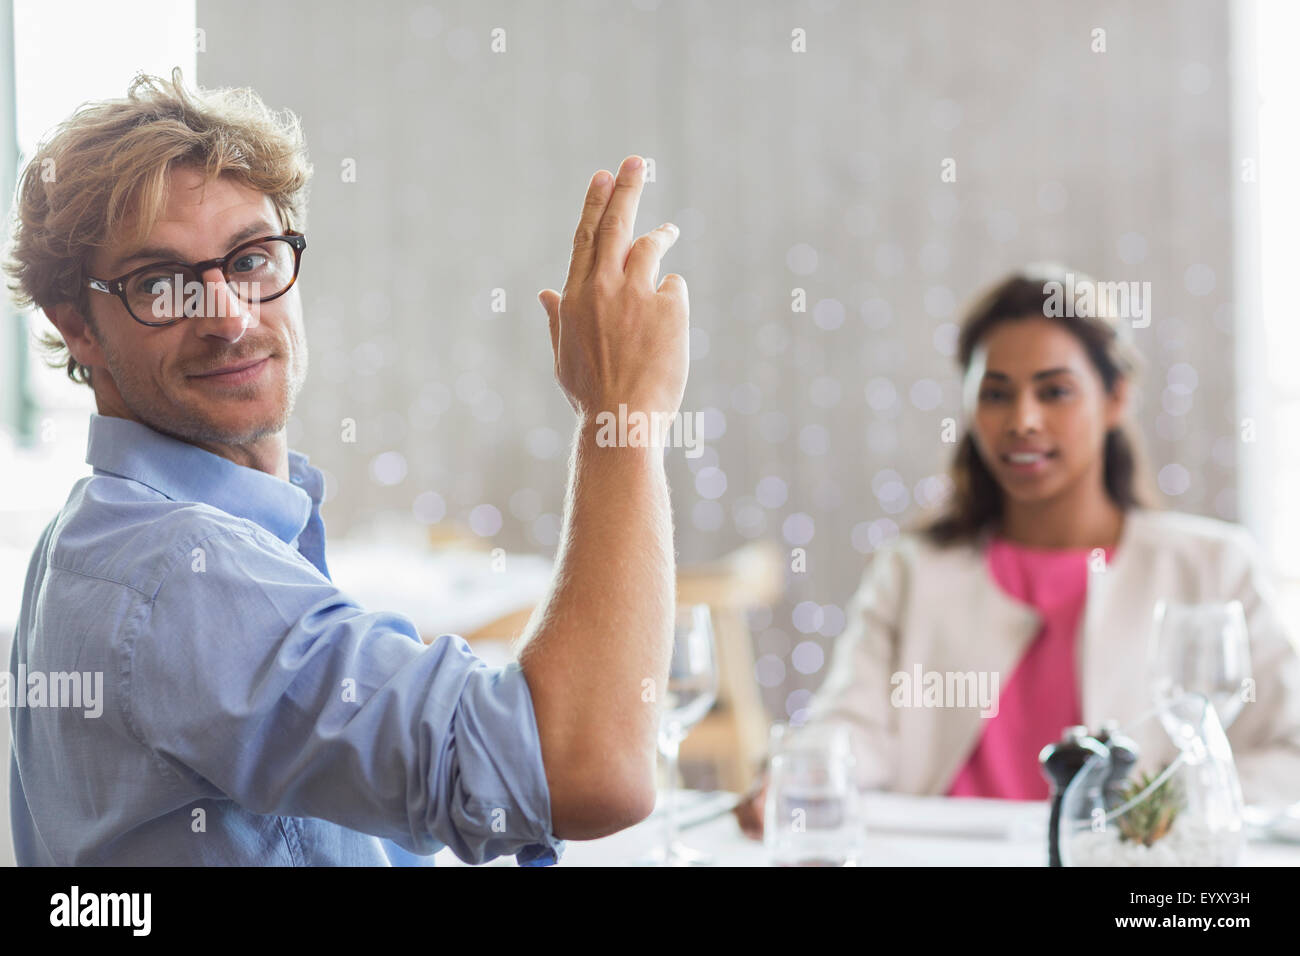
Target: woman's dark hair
976, 499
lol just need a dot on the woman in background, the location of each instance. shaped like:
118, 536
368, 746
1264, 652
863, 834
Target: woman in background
1043, 571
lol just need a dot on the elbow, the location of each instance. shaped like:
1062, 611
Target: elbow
603, 801
635, 801
624, 806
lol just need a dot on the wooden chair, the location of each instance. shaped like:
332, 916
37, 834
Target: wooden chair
732, 738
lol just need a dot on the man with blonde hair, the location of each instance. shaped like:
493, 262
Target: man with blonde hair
252, 712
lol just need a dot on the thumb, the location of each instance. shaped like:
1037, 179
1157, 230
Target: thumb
550, 300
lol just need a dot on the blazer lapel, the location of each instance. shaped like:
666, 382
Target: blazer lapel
1111, 652
994, 632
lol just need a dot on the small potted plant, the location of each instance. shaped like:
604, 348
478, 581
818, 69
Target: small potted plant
1177, 804
1150, 819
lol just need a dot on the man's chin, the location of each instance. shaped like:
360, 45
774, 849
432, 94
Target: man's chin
242, 427
236, 419
244, 430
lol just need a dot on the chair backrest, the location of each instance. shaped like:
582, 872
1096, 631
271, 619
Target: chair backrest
733, 737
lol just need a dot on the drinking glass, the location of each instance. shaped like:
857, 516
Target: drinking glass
812, 815
1205, 649
692, 689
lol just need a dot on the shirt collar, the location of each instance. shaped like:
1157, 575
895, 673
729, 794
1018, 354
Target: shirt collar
184, 472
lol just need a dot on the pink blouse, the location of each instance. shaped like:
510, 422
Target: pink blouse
1041, 697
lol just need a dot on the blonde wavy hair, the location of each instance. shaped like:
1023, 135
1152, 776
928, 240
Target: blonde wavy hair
104, 170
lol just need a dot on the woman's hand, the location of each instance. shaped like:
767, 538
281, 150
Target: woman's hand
749, 811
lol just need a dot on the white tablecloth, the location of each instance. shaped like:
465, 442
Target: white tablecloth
901, 831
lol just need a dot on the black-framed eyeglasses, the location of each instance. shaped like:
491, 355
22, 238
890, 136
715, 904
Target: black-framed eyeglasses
163, 293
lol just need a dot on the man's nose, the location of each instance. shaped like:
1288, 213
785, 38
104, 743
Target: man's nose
222, 314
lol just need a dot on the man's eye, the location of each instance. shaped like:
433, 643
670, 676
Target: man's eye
156, 284
249, 262
1056, 391
992, 395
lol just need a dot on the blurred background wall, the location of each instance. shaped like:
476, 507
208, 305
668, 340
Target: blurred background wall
445, 171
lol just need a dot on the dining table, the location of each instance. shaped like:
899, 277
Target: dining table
900, 830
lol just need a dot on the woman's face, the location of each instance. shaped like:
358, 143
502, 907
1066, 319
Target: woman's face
1038, 409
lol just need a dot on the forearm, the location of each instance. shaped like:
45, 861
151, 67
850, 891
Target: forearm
597, 651
603, 637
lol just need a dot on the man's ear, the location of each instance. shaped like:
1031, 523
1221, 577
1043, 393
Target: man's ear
77, 334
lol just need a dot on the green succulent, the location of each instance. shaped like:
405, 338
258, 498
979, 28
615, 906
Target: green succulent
1148, 821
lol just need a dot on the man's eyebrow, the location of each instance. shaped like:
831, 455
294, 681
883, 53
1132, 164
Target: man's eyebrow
1038, 376
159, 253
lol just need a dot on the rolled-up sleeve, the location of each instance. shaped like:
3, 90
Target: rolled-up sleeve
251, 673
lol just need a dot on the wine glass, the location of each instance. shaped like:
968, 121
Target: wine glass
1205, 649
692, 689
1176, 803
812, 815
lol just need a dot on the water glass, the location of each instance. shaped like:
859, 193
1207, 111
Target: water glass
812, 815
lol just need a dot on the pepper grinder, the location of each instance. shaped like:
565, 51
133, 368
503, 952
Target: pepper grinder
1123, 755
1060, 762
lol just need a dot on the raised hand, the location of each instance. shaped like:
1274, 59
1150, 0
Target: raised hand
617, 336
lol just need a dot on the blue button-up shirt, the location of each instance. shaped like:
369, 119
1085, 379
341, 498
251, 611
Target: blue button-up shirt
250, 712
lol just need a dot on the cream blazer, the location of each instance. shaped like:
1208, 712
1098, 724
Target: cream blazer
938, 608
